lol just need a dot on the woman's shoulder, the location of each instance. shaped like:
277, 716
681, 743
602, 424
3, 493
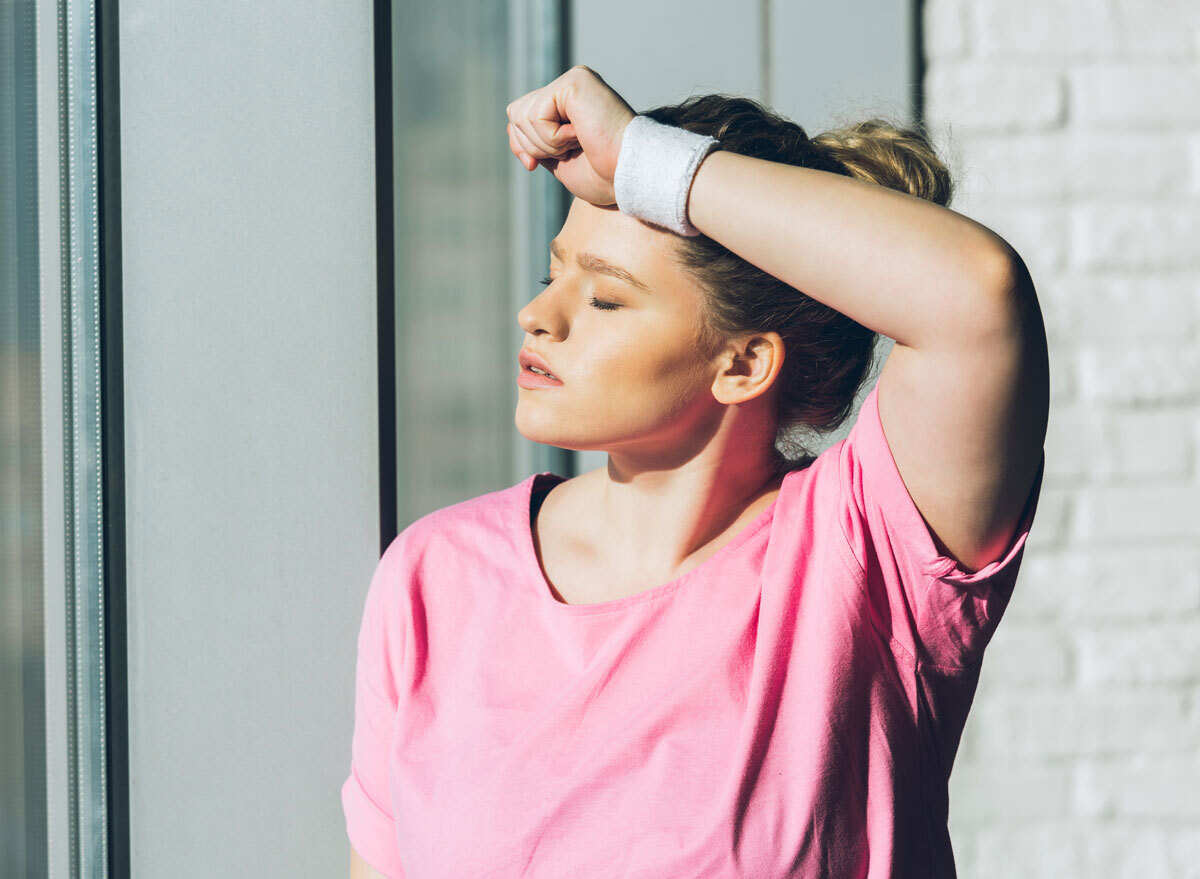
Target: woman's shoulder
461, 522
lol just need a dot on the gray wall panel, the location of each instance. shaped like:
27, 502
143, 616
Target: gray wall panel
251, 432
832, 61
659, 52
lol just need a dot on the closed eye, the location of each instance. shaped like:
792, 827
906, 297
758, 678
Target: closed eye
594, 302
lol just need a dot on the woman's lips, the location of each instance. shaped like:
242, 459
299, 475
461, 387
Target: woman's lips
527, 378
527, 359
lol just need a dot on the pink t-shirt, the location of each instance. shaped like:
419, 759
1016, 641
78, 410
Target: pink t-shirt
789, 708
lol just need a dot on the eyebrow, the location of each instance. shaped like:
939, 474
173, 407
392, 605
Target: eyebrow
589, 262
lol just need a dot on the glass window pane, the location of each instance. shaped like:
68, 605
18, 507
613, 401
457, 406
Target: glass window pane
23, 842
456, 66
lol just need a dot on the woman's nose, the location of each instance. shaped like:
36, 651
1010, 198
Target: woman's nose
543, 313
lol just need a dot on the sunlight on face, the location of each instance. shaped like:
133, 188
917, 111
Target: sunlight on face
631, 361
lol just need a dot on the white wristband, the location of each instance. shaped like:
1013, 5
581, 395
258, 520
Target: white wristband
654, 172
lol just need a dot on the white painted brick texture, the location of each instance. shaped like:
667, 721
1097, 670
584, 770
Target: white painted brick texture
1073, 129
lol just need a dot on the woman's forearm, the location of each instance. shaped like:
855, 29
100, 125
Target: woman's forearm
905, 267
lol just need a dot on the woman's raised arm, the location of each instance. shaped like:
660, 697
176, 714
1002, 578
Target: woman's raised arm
903, 266
964, 395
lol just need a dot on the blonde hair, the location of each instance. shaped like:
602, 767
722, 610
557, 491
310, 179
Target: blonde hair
883, 152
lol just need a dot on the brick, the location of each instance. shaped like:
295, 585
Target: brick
944, 29
1069, 444
1138, 376
963, 844
1164, 789
1129, 515
1050, 165
1087, 442
1090, 722
971, 96
1051, 522
1126, 96
1079, 29
1163, 30
1165, 651
1082, 30
1087, 161
1125, 164
1107, 584
1039, 233
1194, 159
1018, 167
1038, 597
1027, 654
1196, 442
1064, 374
1120, 307
1005, 849
1075, 849
1144, 443
1147, 237
1183, 850
1136, 851
981, 791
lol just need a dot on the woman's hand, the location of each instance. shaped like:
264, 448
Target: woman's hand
573, 127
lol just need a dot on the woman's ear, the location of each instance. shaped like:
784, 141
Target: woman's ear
748, 367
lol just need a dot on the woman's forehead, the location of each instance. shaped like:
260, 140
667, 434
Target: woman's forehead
602, 230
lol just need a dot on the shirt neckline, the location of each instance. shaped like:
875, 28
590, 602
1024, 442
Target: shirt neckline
646, 596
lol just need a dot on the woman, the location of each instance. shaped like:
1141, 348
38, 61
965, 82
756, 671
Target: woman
710, 657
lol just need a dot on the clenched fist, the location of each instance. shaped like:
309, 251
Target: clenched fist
573, 127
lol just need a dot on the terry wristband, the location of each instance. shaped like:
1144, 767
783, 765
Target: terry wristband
655, 168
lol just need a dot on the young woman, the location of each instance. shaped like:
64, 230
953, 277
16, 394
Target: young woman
718, 655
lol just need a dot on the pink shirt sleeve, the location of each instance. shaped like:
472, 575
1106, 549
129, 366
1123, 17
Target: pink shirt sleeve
366, 799
937, 611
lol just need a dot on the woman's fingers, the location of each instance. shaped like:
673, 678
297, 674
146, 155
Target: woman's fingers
571, 127
539, 125
566, 134
513, 143
518, 150
525, 150
532, 145
546, 123
519, 129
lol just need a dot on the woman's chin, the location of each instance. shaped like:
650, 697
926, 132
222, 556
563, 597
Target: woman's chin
549, 437
538, 433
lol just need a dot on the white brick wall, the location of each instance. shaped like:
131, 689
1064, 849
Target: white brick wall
1073, 127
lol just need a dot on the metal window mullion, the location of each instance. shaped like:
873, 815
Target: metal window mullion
83, 471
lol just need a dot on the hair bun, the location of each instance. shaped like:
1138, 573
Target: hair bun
900, 158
